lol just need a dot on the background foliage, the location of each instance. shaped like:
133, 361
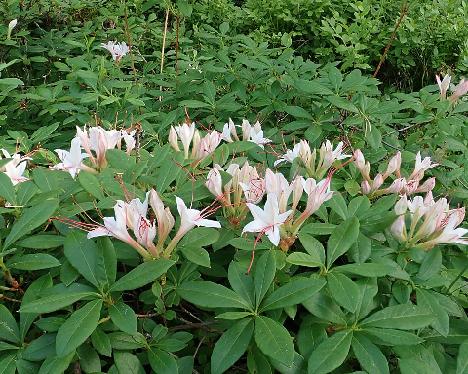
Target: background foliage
301, 68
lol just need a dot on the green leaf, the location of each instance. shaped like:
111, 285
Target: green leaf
52, 303
341, 239
211, 295
313, 247
8, 364
30, 219
344, 291
55, 365
431, 264
78, 327
292, 293
89, 359
123, 317
264, 274
330, 354
231, 345
128, 363
7, 190
84, 256
42, 241
41, 348
366, 269
303, 259
142, 275
32, 293
101, 342
241, 282
325, 308
392, 337
369, 355
8, 327
274, 340
197, 255
107, 251
91, 184
404, 317
338, 204
162, 362
361, 250
193, 104
462, 359
427, 301
233, 315
36, 261
342, 103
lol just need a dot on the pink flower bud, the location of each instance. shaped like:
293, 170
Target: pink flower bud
173, 139
365, 187
214, 182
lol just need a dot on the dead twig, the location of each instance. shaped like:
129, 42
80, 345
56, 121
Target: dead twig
403, 13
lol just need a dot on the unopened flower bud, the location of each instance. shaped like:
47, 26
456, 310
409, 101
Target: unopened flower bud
214, 182
394, 164
173, 139
401, 206
378, 181
427, 185
365, 187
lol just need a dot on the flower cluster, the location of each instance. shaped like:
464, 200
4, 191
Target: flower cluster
95, 141
241, 187
245, 186
400, 185
134, 216
458, 91
424, 223
15, 168
194, 146
117, 50
249, 133
308, 158
277, 220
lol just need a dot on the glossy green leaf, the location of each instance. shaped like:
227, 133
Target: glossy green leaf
330, 354
162, 361
211, 295
123, 317
264, 274
142, 275
8, 327
36, 261
292, 293
344, 291
241, 282
52, 303
30, 219
128, 363
231, 345
84, 256
274, 340
404, 317
78, 327
462, 358
341, 239
369, 355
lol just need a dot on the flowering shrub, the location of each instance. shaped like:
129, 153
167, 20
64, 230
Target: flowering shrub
217, 252
147, 226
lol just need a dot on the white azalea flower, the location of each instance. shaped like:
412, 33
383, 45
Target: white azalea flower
72, 161
268, 220
117, 50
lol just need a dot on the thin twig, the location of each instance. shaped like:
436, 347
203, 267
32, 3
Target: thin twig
164, 46
403, 13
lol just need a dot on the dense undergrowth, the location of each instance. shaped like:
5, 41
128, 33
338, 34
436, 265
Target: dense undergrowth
147, 226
